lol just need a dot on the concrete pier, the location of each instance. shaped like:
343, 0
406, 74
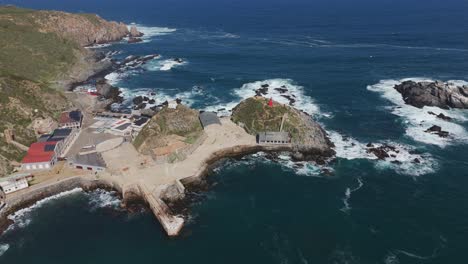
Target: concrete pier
171, 224
138, 176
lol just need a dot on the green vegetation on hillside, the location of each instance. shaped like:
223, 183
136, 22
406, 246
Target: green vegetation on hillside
256, 116
182, 121
30, 61
28, 53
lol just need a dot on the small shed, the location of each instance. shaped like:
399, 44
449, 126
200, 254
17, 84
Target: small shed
172, 104
90, 161
209, 118
273, 138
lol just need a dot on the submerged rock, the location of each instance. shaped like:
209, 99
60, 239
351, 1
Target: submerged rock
134, 40
441, 116
438, 131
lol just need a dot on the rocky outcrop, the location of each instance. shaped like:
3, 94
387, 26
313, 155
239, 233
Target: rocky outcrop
309, 140
134, 33
438, 131
439, 94
84, 29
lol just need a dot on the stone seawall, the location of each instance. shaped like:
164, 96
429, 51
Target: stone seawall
237, 151
137, 192
38, 192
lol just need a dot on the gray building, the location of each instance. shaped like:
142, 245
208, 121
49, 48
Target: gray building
90, 161
209, 118
273, 138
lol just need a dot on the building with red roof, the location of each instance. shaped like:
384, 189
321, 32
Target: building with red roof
42, 155
72, 119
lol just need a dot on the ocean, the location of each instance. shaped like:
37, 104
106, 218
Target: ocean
341, 60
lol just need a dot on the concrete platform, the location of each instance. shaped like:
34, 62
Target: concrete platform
109, 144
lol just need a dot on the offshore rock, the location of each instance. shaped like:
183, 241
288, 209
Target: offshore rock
439, 94
134, 33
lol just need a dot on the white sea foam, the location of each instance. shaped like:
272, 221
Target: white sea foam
391, 258
150, 32
301, 167
348, 193
21, 218
415, 256
158, 95
103, 199
99, 46
402, 160
163, 65
295, 91
417, 120
113, 78
3, 248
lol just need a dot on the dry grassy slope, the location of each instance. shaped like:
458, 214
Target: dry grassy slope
37, 48
256, 116
182, 121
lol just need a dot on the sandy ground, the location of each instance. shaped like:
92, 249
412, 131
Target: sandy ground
127, 166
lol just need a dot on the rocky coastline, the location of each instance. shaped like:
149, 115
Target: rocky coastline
178, 202
35, 194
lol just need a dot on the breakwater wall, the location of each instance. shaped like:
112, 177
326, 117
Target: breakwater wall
38, 192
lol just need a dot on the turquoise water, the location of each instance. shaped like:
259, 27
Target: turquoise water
341, 59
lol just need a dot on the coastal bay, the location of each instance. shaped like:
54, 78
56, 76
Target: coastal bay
393, 193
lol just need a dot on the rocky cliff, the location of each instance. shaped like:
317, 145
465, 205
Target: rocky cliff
84, 29
40, 52
440, 94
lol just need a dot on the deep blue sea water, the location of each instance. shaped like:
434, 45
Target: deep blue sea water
341, 59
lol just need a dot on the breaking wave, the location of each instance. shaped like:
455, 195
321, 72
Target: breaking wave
348, 193
391, 258
150, 32
417, 120
405, 159
3, 248
21, 218
158, 95
304, 168
285, 91
103, 199
164, 65
99, 46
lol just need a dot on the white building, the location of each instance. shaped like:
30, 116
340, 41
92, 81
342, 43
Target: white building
15, 182
172, 104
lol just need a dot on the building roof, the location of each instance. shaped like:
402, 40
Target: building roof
40, 152
209, 118
43, 138
123, 127
274, 136
141, 121
90, 159
16, 177
70, 117
60, 134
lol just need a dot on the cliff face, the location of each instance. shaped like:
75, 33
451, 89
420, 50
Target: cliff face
83, 29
